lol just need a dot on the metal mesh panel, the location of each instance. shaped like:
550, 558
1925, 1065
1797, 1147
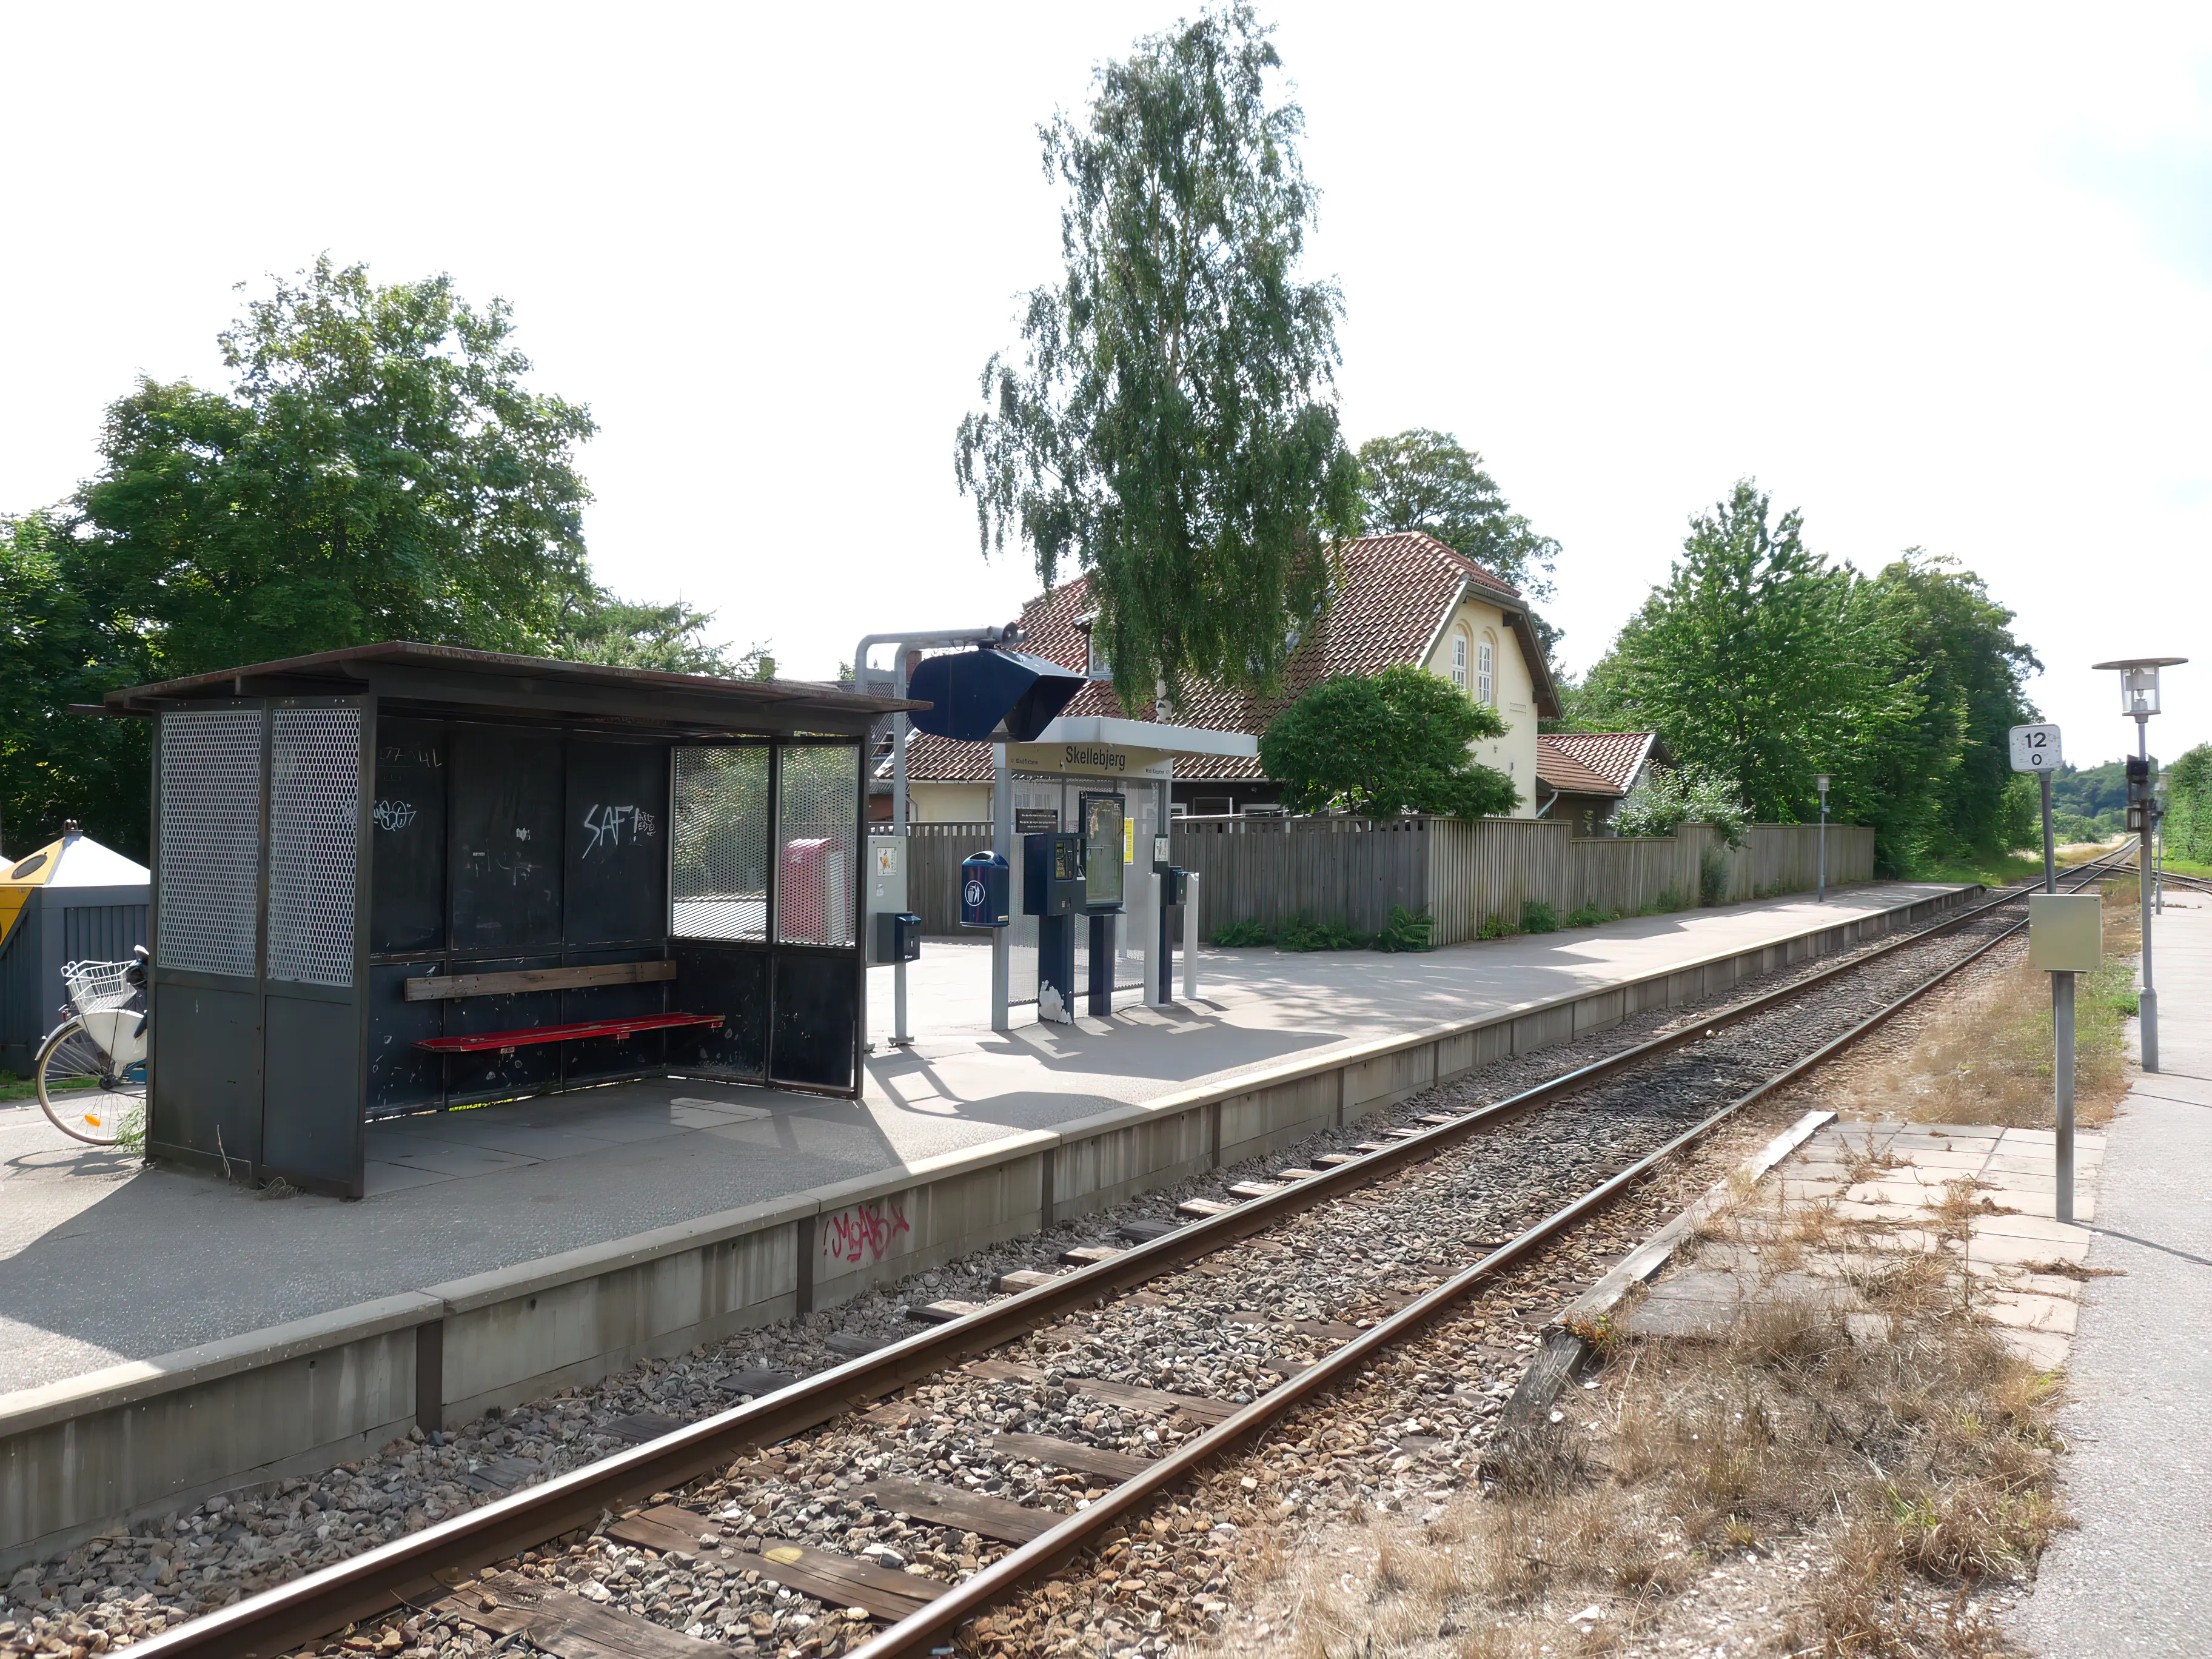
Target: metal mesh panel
210, 860
816, 844
314, 800
721, 853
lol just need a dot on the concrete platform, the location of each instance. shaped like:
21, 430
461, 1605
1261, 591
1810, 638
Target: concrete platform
102, 1259
508, 1251
2138, 1476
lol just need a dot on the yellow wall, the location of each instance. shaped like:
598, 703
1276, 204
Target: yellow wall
948, 803
1513, 694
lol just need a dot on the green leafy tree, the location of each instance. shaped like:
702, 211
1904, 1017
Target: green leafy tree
380, 473
1170, 422
1423, 480
379, 470
2188, 805
56, 650
1761, 661
672, 637
1376, 744
1941, 624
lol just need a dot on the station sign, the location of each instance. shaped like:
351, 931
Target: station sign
2035, 749
1089, 760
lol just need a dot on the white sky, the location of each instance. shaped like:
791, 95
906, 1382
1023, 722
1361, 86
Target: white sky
1938, 275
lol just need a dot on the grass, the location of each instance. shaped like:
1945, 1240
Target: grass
2007, 871
1985, 1056
2185, 867
1913, 1450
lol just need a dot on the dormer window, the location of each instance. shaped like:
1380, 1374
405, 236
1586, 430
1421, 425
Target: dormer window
1095, 664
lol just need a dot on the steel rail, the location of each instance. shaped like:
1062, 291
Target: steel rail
406, 1570
1051, 1550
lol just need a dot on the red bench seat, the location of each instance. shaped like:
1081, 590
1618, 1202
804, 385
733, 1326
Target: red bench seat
504, 1041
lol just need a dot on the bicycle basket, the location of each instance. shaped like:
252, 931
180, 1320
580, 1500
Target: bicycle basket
96, 985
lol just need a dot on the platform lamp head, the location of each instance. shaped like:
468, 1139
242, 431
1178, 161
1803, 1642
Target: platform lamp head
2139, 683
1821, 783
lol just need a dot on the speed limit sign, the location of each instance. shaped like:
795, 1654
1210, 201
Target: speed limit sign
2035, 749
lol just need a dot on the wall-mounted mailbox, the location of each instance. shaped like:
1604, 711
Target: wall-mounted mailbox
1052, 875
984, 900
2065, 932
898, 936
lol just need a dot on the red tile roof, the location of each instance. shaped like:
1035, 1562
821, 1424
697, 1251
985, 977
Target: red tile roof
1591, 762
1394, 595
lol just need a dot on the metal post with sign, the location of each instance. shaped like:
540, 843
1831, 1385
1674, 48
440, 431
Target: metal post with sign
1821, 782
2065, 937
2036, 749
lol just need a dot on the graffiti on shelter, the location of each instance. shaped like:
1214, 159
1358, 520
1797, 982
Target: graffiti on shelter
864, 1232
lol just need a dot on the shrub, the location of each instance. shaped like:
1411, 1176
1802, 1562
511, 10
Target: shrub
1665, 800
1300, 934
1406, 930
1238, 933
1668, 901
1538, 917
1590, 915
1713, 876
1496, 927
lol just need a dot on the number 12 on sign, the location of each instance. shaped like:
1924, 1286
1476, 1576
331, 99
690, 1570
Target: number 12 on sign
2035, 749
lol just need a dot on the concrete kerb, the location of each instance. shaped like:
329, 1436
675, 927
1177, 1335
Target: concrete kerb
150, 1436
453, 1351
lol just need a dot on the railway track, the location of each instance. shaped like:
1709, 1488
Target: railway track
1034, 1425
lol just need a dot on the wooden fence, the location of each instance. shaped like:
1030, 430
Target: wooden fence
1461, 872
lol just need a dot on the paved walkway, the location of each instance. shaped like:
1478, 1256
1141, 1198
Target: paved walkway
2132, 1581
102, 1259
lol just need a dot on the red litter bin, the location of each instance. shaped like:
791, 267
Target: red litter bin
812, 906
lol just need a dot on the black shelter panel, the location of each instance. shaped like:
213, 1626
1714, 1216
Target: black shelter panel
205, 1078
729, 980
593, 1059
616, 885
407, 836
401, 1076
506, 802
817, 1009
486, 1073
312, 1119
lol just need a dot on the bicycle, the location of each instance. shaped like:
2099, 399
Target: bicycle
91, 1069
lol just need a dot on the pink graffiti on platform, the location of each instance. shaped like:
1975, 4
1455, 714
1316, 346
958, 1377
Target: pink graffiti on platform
864, 1232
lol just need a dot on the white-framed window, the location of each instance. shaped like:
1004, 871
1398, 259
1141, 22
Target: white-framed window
1095, 664
1485, 678
1459, 661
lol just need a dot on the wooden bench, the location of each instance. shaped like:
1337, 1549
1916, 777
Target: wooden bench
438, 987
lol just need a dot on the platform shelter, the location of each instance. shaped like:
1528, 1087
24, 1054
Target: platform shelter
399, 878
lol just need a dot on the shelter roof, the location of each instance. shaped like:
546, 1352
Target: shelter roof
1592, 763
1394, 595
452, 679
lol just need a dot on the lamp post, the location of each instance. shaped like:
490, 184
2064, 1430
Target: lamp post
2139, 698
1821, 783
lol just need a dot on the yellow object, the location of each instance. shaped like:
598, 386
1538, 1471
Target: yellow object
76, 860
2065, 932
33, 870
1128, 840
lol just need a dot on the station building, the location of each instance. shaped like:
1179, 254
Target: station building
1403, 598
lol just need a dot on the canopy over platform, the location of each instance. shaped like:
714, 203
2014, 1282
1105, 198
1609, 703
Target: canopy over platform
397, 877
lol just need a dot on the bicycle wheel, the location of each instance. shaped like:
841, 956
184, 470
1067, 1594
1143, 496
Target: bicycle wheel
81, 1097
